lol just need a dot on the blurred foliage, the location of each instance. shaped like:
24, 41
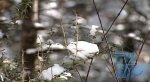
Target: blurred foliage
134, 20
21, 10
10, 69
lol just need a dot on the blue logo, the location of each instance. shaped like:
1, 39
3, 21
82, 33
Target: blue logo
125, 61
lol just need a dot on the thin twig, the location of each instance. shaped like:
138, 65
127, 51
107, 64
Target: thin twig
98, 16
142, 47
109, 69
77, 35
64, 34
78, 73
138, 55
139, 45
109, 30
22, 66
115, 20
89, 65
105, 37
89, 70
113, 66
111, 73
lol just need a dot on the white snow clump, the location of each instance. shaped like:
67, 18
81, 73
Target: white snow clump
65, 75
49, 42
40, 58
38, 25
93, 30
57, 46
83, 49
51, 72
52, 46
31, 51
80, 20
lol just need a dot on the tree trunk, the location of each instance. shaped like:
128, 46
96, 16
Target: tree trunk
29, 35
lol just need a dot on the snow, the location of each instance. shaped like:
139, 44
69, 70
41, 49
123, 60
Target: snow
80, 20
131, 35
18, 22
65, 75
49, 42
2, 18
57, 46
2, 79
56, 69
17, 1
53, 13
123, 15
138, 38
53, 46
73, 26
49, 73
101, 31
69, 3
40, 58
49, 5
46, 75
6, 61
53, 5
39, 39
43, 47
38, 25
38, 67
83, 49
1, 35
93, 30
120, 27
31, 51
